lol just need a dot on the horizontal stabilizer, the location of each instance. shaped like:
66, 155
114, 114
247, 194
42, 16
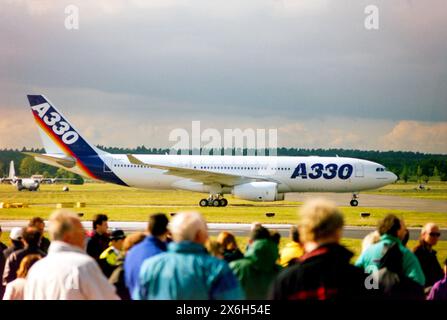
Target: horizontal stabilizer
61, 159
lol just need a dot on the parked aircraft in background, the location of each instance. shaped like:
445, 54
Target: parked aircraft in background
32, 184
256, 178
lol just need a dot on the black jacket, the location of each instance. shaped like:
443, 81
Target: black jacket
323, 274
13, 262
97, 244
429, 263
44, 244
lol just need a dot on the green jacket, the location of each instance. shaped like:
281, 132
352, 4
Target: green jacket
372, 255
257, 270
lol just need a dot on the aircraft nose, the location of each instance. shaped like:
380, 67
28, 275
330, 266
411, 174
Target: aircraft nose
394, 177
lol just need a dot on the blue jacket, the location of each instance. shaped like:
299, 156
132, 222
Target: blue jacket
187, 272
149, 247
372, 255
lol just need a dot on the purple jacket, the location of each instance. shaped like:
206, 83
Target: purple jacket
439, 290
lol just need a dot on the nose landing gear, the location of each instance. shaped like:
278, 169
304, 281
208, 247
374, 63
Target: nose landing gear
214, 201
354, 202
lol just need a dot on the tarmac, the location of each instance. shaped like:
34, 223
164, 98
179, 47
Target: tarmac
238, 229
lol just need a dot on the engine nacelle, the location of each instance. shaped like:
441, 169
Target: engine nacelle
258, 191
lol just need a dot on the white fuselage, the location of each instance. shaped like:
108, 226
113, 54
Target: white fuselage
365, 174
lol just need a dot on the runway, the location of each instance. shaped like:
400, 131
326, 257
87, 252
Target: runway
238, 229
376, 201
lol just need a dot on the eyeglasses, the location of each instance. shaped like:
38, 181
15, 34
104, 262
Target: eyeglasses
435, 234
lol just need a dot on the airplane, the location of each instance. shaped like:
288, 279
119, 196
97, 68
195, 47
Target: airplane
31, 184
255, 178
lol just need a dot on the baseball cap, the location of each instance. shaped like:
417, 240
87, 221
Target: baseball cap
117, 234
16, 233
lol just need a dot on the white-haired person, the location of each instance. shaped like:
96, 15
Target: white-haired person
187, 271
426, 255
324, 271
67, 272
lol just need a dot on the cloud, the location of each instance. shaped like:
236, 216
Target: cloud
417, 136
308, 68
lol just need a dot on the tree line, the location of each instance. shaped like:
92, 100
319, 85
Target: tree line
409, 166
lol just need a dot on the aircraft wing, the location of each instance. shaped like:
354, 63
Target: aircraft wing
53, 180
203, 176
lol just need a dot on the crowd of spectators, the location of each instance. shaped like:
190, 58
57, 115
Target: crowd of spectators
176, 259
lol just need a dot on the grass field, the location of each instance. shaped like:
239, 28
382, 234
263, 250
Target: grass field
435, 190
121, 203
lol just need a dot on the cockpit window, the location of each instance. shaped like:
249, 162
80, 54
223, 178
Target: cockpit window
381, 169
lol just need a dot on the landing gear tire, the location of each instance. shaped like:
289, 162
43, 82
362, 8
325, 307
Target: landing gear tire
215, 203
223, 202
354, 203
203, 203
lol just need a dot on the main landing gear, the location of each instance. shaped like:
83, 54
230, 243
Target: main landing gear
354, 202
214, 201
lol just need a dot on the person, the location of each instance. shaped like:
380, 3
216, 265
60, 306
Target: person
439, 289
275, 236
117, 276
324, 271
257, 270
153, 244
31, 237
231, 250
406, 237
38, 223
15, 236
2, 245
14, 289
109, 257
67, 272
392, 230
292, 250
186, 271
99, 241
215, 249
370, 239
427, 255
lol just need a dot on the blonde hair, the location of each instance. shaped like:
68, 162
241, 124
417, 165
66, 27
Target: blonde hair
320, 219
61, 222
26, 263
185, 225
214, 248
227, 240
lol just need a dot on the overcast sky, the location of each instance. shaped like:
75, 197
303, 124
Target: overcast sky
137, 69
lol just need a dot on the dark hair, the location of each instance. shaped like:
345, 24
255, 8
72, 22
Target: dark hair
294, 234
406, 238
275, 236
259, 233
99, 219
34, 221
31, 235
389, 225
158, 224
